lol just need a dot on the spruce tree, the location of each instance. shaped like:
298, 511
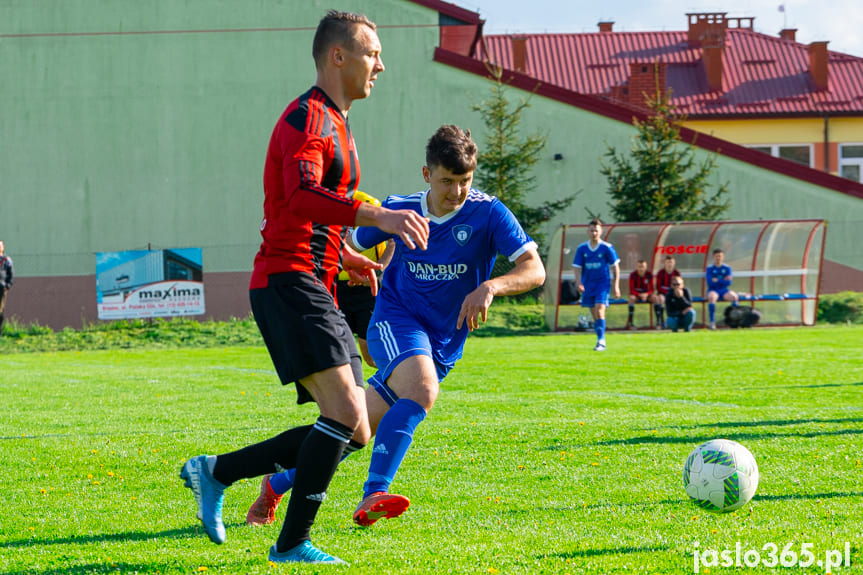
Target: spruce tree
506, 160
660, 179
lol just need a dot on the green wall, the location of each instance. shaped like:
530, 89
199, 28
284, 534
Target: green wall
119, 141
127, 124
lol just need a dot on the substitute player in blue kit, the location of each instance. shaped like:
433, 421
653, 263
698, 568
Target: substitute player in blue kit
596, 265
428, 303
718, 278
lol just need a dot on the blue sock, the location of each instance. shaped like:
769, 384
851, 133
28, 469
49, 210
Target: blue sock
282, 482
711, 307
394, 436
734, 303
599, 326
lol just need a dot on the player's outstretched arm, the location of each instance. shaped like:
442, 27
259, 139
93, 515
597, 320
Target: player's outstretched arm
412, 228
387, 256
527, 274
361, 269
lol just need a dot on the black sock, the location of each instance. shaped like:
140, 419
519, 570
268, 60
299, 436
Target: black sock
261, 458
658, 309
353, 447
631, 311
317, 461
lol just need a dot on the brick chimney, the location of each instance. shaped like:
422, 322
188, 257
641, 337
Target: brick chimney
706, 25
788, 34
606, 26
647, 81
519, 54
712, 57
818, 65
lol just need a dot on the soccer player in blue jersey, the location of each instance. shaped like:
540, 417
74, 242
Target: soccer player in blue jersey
429, 302
718, 285
597, 271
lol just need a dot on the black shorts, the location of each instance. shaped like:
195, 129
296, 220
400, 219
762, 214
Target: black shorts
303, 330
357, 303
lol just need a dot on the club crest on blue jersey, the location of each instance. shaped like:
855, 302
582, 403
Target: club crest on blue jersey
462, 233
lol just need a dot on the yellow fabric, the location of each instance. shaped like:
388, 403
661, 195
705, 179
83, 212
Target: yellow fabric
374, 253
364, 197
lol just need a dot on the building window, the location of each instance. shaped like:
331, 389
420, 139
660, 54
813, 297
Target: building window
802, 154
851, 161
177, 271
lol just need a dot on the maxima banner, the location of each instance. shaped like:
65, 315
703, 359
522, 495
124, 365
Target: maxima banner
149, 283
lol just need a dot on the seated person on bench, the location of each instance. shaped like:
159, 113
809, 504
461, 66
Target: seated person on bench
641, 291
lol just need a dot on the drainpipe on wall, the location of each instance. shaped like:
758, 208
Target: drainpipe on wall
826, 142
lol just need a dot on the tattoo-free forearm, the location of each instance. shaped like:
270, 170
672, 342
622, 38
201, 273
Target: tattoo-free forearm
527, 274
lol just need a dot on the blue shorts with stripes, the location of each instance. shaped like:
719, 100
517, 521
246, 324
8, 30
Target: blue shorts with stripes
391, 340
593, 296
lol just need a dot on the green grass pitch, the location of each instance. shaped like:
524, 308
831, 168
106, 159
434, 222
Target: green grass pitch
541, 456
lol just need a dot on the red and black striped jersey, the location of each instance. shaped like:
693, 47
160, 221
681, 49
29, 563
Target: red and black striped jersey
663, 280
641, 284
311, 167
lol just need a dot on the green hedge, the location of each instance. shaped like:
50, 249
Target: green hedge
843, 307
139, 333
507, 316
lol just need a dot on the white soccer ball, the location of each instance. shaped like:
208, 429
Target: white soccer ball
720, 475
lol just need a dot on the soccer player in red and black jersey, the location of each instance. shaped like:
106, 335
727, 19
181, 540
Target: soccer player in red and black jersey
310, 168
663, 284
640, 289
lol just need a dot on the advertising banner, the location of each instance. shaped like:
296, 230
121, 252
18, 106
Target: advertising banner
149, 283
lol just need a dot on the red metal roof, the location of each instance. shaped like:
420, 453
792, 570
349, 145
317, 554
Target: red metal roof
620, 113
761, 75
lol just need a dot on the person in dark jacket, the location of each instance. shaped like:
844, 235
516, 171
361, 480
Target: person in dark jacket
678, 306
7, 278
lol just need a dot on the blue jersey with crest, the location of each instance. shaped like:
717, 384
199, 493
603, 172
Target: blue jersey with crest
716, 277
431, 285
594, 264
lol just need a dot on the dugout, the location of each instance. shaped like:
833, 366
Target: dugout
776, 265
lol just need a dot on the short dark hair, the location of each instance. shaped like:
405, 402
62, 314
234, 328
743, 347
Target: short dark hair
595, 222
718, 251
669, 257
337, 28
452, 148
